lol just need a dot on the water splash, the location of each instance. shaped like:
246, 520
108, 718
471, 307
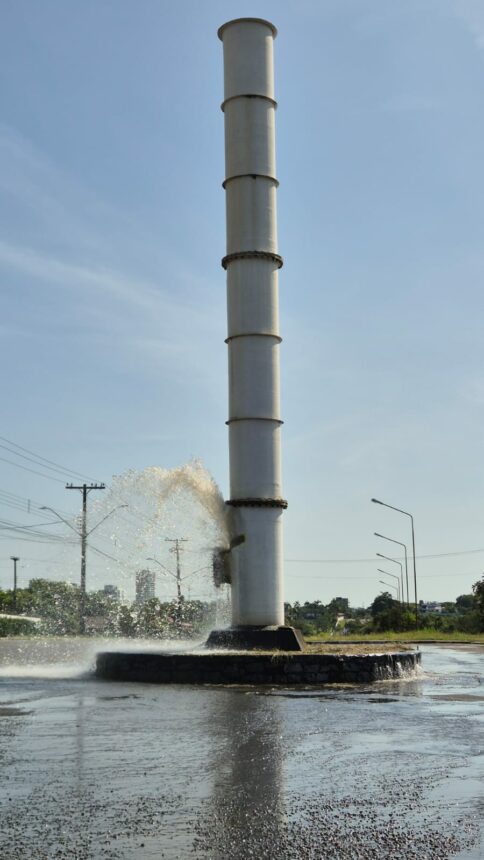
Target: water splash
71, 658
398, 672
163, 504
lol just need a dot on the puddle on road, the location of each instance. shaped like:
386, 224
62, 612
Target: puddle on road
13, 712
456, 697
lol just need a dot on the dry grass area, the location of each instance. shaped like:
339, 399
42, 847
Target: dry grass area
357, 648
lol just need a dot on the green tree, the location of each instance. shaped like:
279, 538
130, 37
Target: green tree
388, 614
381, 603
151, 620
126, 622
478, 589
337, 606
465, 603
101, 605
56, 603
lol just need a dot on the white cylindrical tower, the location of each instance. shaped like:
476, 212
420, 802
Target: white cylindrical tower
252, 262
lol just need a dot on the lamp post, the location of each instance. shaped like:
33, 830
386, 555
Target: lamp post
407, 514
177, 575
15, 559
392, 540
83, 534
389, 583
387, 558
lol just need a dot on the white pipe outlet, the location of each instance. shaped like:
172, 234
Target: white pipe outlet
252, 263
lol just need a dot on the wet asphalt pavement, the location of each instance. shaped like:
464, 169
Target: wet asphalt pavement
95, 770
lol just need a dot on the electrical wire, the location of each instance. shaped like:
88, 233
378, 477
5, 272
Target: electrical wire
23, 503
56, 539
373, 560
51, 463
364, 578
28, 527
35, 461
26, 469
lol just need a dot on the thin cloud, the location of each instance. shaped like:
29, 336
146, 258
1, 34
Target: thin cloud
55, 271
471, 13
98, 275
167, 332
51, 212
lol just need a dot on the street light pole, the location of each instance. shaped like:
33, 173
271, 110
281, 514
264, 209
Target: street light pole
378, 502
83, 534
176, 550
387, 558
85, 489
392, 540
15, 559
179, 579
389, 583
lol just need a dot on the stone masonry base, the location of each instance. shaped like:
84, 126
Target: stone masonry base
253, 668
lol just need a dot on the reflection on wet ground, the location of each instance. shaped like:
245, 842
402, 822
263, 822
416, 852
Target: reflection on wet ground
95, 770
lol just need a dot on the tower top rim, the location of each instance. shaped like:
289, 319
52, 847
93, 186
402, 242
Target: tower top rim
221, 29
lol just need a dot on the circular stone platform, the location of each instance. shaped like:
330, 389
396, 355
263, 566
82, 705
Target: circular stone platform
230, 667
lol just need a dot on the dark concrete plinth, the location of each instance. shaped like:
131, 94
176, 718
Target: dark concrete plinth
224, 667
257, 639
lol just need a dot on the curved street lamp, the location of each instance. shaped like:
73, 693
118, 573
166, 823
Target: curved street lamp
407, 514
399, 542
394, 560
389, 583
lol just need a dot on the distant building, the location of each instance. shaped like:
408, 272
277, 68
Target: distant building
112, 591
145, 586
429, 607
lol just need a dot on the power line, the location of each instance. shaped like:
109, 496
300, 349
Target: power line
26, 469
13, 527
364, 578
63, 469
37, 462
373, 560
40, 538
14, 497
106, 554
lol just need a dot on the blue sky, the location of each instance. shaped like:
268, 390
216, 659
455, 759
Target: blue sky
113, 298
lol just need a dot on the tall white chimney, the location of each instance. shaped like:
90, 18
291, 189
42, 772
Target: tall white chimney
252, 263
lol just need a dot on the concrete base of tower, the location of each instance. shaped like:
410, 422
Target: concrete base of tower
257, 639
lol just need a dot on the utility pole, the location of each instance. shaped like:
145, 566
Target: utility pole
176, 550
85, 489
15, 559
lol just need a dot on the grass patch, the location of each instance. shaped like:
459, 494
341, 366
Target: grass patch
423, 635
